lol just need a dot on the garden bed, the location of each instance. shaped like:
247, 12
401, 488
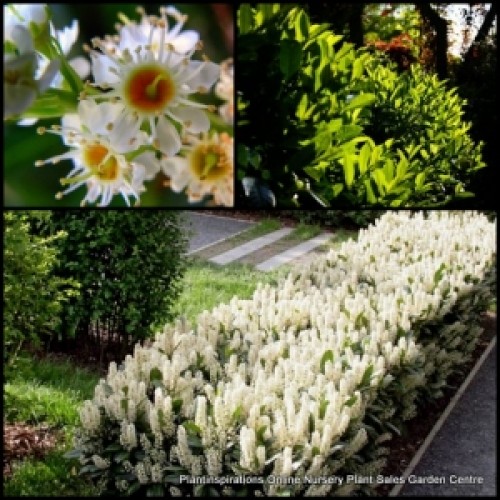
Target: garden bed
380, 325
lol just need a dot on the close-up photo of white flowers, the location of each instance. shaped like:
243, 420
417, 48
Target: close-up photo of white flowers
118, 105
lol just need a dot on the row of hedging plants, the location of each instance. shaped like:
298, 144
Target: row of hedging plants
306, 380
335, 126
129, 267
33, 297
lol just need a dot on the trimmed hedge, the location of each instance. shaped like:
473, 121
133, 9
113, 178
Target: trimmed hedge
129, 265
303, 381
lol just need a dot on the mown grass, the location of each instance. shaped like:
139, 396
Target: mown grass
47, 392
207, 285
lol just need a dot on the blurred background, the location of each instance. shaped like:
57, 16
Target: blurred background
28, 186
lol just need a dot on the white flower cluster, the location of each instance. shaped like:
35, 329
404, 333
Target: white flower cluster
140, 117
281, 377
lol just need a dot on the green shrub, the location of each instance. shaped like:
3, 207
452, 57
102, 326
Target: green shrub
33, 295
336, 127
129, 265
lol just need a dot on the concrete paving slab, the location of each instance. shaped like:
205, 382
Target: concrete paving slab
206, 230
293, 253
461, 460
251, 246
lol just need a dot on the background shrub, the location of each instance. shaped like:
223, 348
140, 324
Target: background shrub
348, 129
33, 295
129, 265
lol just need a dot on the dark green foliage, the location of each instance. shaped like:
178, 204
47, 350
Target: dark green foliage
129, 264
334, 126
33, 296
335, 218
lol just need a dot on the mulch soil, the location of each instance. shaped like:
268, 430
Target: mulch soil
21, 441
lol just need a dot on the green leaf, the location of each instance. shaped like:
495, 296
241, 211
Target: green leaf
351, 401
327, 356
242, 155
245, 18
438, 275
314, 172
191, 428
349, 169
289, 57
364, 157
302, 26
76, 453
155, 374
361, 101
337, 189
365, 380
402, 167
370, 195
323, 405
419, 180
155, 490
357, 68
393, 428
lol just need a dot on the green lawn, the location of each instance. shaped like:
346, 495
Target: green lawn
47, 392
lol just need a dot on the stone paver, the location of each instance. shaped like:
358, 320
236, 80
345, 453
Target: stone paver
207, 229
251, 246
293, 253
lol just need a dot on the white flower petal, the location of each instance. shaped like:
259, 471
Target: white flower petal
49, 74
17, 98
150, 163
186, 41
168, 137
204, 77
125, 133
67, 37
100, 69
195, 120
21, 37
81, 65
96, 117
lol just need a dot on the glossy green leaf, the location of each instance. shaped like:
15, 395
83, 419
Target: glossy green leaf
289, 57
302, 26
361, 101
349, 169
327, 356
364, 158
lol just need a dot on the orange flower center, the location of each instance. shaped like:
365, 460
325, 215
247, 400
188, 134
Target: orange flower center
94, 158
149, 89
210, 162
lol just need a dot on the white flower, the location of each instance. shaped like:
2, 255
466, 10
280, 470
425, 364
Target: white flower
20, 87
67, 38
225, 90
133, 35
153, 83
100, 158
207, 169
34, 17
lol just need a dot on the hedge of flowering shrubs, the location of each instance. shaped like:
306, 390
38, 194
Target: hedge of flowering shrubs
304, 381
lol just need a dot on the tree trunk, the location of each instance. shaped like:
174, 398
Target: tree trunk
440, 27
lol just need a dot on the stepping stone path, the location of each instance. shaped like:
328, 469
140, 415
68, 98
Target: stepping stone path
209, 230
250, 246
